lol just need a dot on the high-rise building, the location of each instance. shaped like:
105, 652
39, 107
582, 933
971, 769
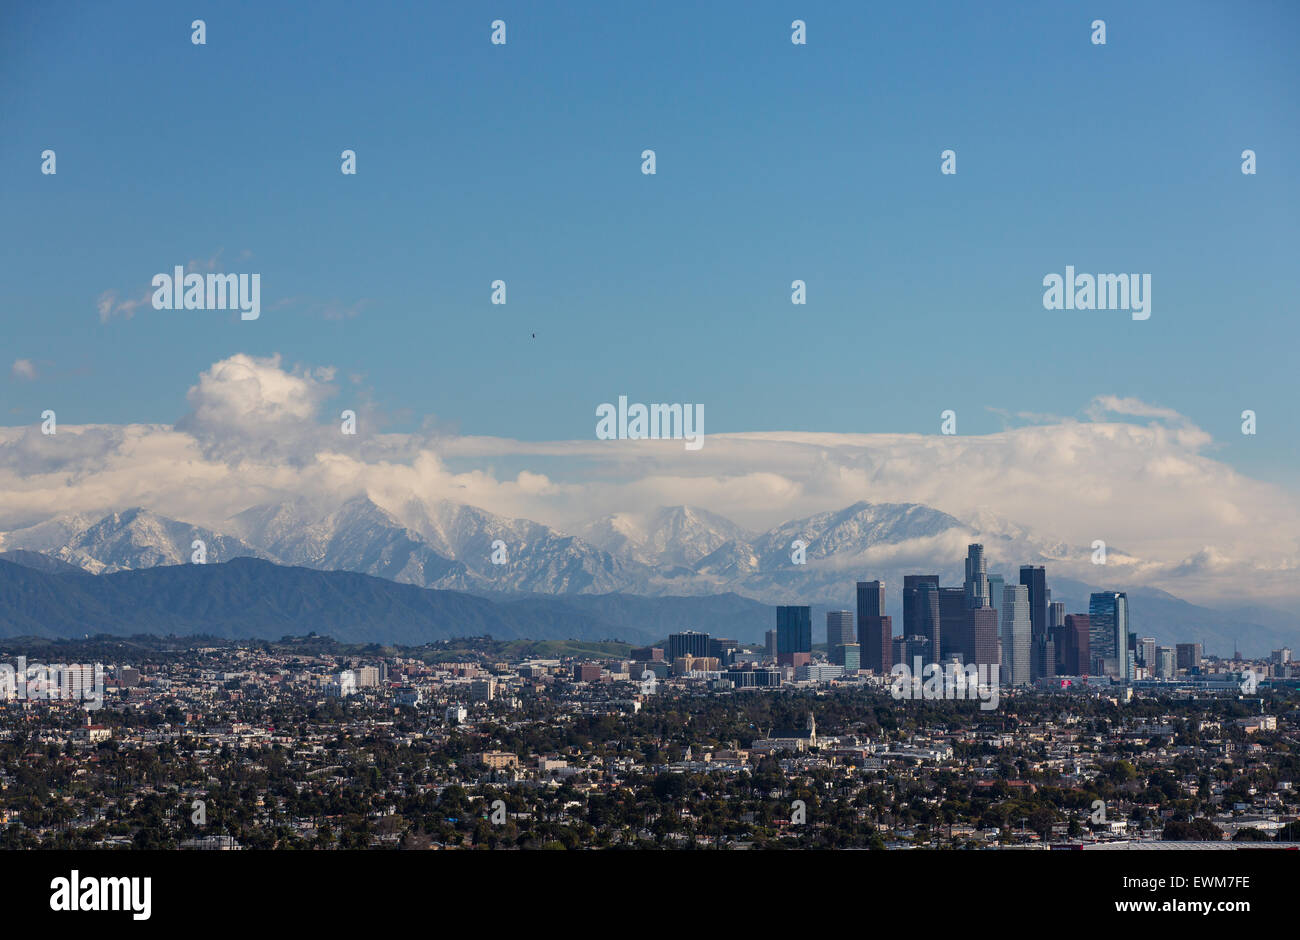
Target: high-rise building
1148, 647
850, 657
1074, 648
689, 643
770, 638
876, 636
982, 636
839, 628
976, 585
1055, 614
952, 622
1034, 577
1015, 634
839, 636
793, 634
1189, 656
1166, 664
921, 608
1108, 620
997, 584
871, 599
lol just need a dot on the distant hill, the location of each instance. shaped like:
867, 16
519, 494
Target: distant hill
248, 597
252, 598
38, 561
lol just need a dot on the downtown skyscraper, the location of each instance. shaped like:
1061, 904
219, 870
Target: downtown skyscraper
1034, 579
1016, 635
1108, 626
875, 630
921, 611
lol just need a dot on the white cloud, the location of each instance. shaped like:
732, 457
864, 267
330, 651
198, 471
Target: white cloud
24, 369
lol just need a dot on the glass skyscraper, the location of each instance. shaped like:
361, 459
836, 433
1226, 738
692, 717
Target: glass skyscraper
1108, 630
1015, 634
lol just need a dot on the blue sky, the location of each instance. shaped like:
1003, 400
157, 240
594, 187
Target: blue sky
775, 162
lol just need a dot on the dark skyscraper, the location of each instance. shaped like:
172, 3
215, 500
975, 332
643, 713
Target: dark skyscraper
921, 609
871, 599
875, 630
793, 634
1073, 649
952, 622
1034, 577
839, 628
876, 638
839, 634
976, 585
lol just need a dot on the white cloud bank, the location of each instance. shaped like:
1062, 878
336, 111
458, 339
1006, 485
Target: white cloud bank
257, 431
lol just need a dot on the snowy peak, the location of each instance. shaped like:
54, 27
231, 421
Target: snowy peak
138, 538
669, 536
849, 532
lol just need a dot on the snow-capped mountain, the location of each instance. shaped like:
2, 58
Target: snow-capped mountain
692, 555
676, 550
445, 545
670, 536
48, 536
134, 538
357, 536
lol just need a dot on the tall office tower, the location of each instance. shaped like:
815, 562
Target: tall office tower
839, 631
921, 607
1108, 618
982, 637
839, 628
770, 636
1149, 656
876, 636
976, 584
997, 584
689, 643
1165, 663
1076, 656
1055, 614
1015, 634
952, 622
1189, 656
871, 599
851, 657
901, 655
1034, 577
793, 635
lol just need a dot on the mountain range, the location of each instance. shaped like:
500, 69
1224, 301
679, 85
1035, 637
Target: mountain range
673, 568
